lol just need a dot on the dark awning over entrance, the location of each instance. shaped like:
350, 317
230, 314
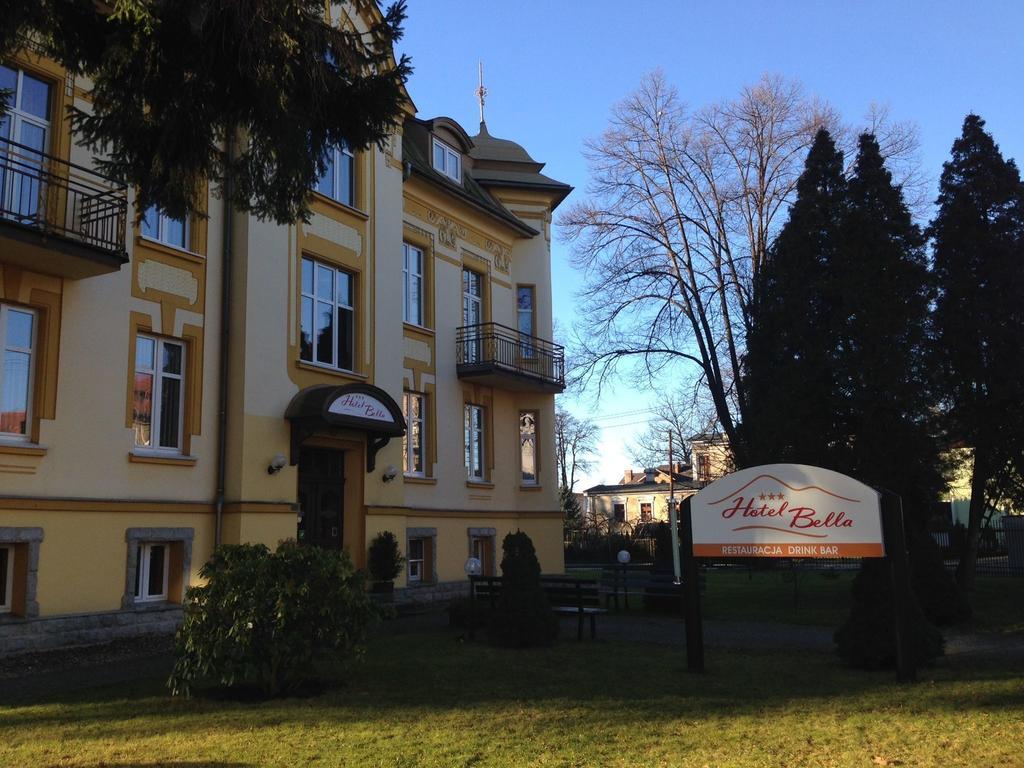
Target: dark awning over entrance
360, 407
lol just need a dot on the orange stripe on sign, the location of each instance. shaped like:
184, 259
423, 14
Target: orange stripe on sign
788, 550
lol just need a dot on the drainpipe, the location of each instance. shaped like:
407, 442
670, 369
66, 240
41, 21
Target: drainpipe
225, 336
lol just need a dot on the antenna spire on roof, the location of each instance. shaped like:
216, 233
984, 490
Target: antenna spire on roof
481, 92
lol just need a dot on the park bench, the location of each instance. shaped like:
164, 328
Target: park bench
657, 588
566, 595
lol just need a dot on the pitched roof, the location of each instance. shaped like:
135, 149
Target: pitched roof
680, 485
415, 146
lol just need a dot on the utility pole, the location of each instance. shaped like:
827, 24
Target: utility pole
673, 520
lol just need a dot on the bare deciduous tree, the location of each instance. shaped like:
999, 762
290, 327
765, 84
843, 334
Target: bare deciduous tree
683, 414
682, 211
575, 446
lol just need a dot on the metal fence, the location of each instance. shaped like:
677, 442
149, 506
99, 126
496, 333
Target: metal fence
1000, 552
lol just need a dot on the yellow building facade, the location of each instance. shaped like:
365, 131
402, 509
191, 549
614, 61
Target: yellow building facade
385, 366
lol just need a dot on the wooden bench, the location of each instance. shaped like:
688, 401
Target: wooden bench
566, 595
657, 589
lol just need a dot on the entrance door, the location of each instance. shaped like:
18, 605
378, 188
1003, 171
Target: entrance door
321, 497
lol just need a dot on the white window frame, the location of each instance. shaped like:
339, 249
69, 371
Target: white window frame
341, 154
452, 160
142, 573
536, 477
8, 595
18, 117
407, 441
474, 434
5, 310
161, 230
336, 304
159, 375
410, 278
416, 564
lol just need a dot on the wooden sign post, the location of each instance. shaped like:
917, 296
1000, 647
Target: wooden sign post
794, 511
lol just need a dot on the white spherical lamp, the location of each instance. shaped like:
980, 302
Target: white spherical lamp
623, 557
473, 567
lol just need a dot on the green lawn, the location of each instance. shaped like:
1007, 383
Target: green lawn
823, 598
426, 699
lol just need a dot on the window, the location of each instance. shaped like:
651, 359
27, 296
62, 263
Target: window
474, 434
151, 572
524, 319
158, 404
412, 273
26, 123
415, 559
447, 161
414, 410
328, 316
339, 179
482, 548
165, 229
17, 334
528, 446
472, 313
703, 468
524, 309
619, 512
6, 577
645, 512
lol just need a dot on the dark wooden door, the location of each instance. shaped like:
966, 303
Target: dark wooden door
321, 497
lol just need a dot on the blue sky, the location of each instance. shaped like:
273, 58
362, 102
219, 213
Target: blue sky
553, 68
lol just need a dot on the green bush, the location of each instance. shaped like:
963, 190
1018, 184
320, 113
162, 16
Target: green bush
523, 617
384, 561
272, 621
942, 601
867, 640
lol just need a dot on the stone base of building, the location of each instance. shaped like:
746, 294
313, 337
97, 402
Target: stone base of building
431, 595
49, 633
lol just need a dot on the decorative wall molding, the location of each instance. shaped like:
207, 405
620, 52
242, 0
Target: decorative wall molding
157, 276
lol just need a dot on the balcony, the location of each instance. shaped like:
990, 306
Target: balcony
503, 357
57, 217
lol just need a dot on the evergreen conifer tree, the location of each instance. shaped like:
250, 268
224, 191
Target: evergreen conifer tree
788, 372
978, 241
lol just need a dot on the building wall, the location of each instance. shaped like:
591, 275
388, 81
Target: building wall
80, 490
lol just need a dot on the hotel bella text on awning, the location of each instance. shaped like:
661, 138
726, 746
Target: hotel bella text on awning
361, 407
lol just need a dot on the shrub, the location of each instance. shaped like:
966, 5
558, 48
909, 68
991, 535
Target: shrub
523, 617
272, 621
942, 601
384, 561
867, 639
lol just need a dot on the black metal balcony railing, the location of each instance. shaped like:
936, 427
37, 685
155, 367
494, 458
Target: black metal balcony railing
491, 347
53, 196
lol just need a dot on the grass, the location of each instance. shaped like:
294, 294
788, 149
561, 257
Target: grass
425, 699
823, 598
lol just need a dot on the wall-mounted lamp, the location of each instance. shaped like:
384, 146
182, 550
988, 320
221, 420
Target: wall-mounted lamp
390, 473
277, 464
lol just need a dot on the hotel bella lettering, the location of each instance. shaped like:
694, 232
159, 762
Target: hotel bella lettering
787, 510
794, 511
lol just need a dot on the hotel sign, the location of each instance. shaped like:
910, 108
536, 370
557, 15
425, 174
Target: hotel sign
787, 510
362, 406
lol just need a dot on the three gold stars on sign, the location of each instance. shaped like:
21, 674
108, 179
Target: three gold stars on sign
773, 496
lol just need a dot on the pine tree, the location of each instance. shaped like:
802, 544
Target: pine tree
884, 396
978, 242
171, 80
884, 400
788, 372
